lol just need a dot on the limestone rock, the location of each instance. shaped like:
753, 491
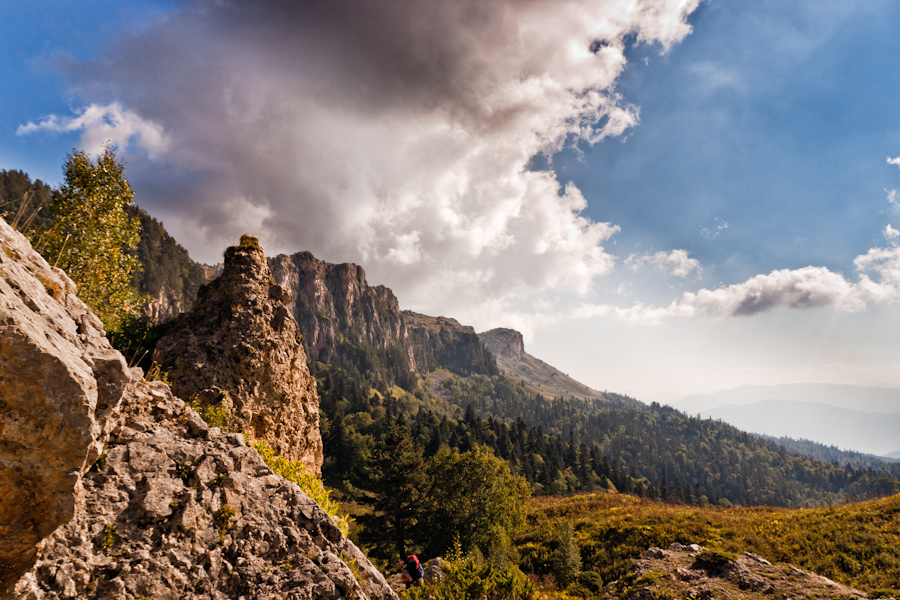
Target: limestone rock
334, 301
240, 343
182, 511
504, 343
444, 342
61, 385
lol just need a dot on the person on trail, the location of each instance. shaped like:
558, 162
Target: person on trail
411, 570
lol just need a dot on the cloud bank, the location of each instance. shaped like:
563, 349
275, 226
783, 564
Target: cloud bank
877, 283
395, 134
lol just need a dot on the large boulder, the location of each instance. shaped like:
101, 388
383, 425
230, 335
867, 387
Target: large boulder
180, 510
239, 350
61, 386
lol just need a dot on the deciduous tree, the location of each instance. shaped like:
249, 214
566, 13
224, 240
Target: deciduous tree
93, 234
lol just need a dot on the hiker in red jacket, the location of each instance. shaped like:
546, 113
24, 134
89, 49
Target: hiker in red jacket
411, 570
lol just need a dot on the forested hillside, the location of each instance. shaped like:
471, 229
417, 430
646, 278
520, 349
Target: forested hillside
168, 275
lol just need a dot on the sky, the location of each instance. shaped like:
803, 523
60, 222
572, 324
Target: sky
666, 197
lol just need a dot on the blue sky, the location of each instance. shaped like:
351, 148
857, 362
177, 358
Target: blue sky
666, 198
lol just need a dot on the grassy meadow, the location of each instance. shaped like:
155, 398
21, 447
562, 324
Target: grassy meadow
855, 544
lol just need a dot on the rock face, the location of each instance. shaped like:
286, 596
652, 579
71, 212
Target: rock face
333, 302
341, 316
239, 351
61, 386
180, 510
444, 342
504, 343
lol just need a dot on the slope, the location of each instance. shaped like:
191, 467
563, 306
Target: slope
538, 377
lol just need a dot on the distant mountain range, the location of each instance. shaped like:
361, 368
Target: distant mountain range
864, 419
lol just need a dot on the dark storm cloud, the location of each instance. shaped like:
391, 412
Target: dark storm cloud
396, 134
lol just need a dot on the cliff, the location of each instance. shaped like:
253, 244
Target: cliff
539, 377
336, 309
111, 487
442, 342
343, 318
240, 351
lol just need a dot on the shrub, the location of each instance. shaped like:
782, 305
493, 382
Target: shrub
293, 470
711, 560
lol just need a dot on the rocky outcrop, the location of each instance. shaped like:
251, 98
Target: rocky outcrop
690, 571
443, 342
504, 343
61, 386
333, 303
239, 351
539, 377
177, 509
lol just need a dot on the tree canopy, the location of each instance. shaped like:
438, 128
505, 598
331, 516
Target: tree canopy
93, 234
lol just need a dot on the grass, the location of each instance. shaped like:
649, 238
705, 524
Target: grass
855, 544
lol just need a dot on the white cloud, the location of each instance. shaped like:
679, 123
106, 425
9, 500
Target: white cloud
676, 262
893, 161
719, 228
394, 134
878, 283
893, 197
101, 124
890, 233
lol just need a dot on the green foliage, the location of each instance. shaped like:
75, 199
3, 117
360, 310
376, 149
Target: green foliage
588, 584
155, 373
136, 338
566, 561
216, 414
294, 471
184, 472
856, 544
223, 520
471, 577
109, 537
713, 559
93, 236
395, 479
25, 205
167, 269
99, 464
248, 243
471, 497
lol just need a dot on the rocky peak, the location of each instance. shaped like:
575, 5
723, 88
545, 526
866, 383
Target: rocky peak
61, 386
240, 351
443, 342
504, 343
